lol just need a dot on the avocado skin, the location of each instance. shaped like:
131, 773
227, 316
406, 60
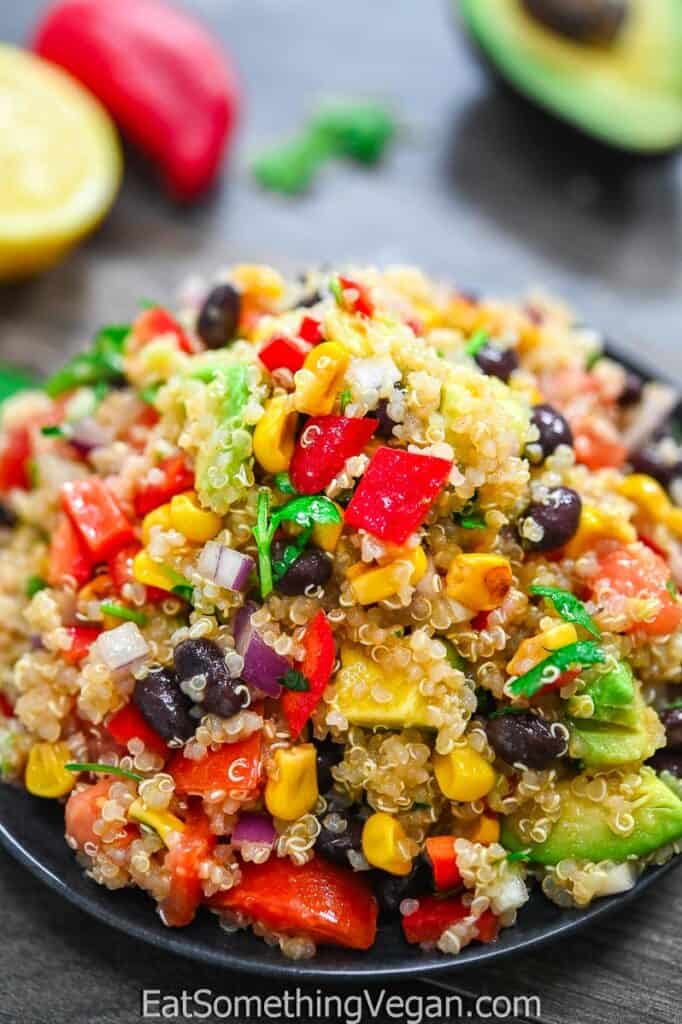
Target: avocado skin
594, 89
582, 831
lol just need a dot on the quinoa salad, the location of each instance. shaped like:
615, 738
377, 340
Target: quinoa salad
346, 600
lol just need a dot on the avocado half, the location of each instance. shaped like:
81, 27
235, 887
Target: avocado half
627, 92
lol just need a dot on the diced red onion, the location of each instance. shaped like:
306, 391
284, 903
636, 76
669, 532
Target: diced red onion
121, 647
252, 827
263, 666
225, 566
87, 434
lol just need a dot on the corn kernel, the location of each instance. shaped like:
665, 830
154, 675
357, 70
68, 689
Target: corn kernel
479, 581
596, 525
673, 520
382, 837
292, 790
258, 283
486, 829
159, 517
152, 574
191, 520
463, 774
46, 775
535, 649
327, 535
378, 584
320, 379
274, 438
651, 499
163, 822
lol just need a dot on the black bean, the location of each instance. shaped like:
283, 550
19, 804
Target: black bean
558, 515
328, 755
667, 761
554, 429
223, 695
7, 516
391, 890
163, 705
335, 846
219, 316
311, 569
311, 299
649, 460
526, 738
632, 389
672, 721
497, 362
386, 423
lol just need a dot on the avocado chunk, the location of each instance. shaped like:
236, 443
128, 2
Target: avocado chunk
583, 832
622, 729
614, 695
624, 89
355, 686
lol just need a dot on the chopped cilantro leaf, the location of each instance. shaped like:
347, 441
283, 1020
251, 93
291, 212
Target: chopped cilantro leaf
568, 606
583, 652
295, 680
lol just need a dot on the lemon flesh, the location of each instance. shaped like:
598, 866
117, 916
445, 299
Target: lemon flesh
60, 163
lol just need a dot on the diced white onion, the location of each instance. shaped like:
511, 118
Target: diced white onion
122, 646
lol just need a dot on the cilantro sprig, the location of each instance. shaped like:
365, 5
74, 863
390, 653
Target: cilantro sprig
582, 653
121, 611
101, 363
569, 607
305, 512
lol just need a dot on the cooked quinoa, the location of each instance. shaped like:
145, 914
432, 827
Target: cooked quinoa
346, 596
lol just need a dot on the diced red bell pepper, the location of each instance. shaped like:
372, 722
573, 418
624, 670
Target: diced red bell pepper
440, 851
362, 302
561, 680
152, 323
128, 724
69, 560
6, 708
121, 572
327, 903
82, 638
396, 492
310, 330
15, 451
636, 571
282, 353
317, 665
97, 515
171, 477
235, 767
324, 446
183, 863
434, 916
479, 621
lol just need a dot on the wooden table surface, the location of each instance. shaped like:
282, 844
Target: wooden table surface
481, 190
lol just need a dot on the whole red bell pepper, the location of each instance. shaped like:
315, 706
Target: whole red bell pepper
154, 322
128, 724
282, 353
323, 448
396, 492
97, 516
82, 638
159, 73
317, 665
69, 560
183, 863
172, 477
433, 916
235, 767
330, 904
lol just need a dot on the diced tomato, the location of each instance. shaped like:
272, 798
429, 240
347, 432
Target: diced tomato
234, 767
97, 515
636, 571
434, 916
282, 353
310, 330
440, 851
128, 724
121, 572
183, 863
317, 665
596, 443
362, 302
15, 451
82, 811
396, 492
324, 446
69, 560
154, 322
6, 709
82, 638
327, 903
166, 480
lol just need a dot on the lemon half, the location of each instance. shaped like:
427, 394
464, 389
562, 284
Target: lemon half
60, 163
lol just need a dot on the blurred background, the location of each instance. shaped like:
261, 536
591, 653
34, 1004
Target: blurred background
478, 186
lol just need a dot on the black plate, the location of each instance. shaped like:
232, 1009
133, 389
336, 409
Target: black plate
32, 831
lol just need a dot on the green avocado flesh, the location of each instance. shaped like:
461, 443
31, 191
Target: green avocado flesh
613, 694
621, 730
582, 831
627, 93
